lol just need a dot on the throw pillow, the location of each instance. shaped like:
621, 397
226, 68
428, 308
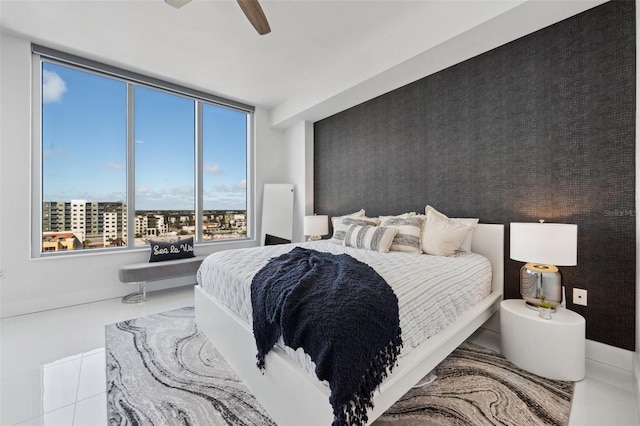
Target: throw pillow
442, 236
472, 223
340, 228
409, 230
166, 250
376, 238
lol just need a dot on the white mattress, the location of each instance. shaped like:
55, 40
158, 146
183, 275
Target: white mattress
432, 291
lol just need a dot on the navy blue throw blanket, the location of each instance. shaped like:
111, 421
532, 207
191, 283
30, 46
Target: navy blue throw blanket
341, 312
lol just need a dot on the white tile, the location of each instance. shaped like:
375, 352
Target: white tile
21, 397
25, 338
93, 376
91, 411
60, 417
598, 403
60, 384
53, 367
595, 395
601, 415
113, 310
40, 391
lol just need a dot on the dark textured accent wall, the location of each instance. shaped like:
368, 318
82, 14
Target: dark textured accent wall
540, 128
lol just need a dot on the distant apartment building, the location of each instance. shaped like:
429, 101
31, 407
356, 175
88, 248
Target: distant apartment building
156, 225
56, 216
151, 225
78, 218
110, 226
239, 221
94, 224
141, 224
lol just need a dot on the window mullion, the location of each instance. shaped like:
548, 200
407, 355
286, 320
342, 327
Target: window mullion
131, 165
199, 165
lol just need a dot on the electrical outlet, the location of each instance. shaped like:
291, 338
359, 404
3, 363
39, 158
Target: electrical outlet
580, 296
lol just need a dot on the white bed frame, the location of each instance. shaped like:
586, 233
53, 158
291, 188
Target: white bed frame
291, 396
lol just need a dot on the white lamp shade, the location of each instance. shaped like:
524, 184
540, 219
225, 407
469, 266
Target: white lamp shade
545, 243
316, 225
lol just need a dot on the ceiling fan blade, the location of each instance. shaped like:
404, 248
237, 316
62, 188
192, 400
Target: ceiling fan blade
255, 15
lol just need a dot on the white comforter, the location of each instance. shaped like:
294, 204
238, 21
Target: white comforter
432, 291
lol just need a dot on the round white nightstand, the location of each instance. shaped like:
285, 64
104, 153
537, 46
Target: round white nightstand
552, 348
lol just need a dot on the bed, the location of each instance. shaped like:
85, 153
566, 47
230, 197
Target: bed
288, 391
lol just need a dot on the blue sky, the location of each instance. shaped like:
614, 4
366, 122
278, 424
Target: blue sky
84, 145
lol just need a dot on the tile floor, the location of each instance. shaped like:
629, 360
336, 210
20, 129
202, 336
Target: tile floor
53, 367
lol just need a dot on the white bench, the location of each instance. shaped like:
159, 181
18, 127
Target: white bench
141, 273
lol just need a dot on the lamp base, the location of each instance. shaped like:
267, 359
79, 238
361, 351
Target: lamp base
314, 238
538, 281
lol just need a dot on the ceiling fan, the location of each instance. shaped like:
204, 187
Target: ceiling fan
251, 8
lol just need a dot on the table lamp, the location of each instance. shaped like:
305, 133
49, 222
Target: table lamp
543, 246
315, 226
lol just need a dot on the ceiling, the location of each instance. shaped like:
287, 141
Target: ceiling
321, 56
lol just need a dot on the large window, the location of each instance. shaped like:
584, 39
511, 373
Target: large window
124, 158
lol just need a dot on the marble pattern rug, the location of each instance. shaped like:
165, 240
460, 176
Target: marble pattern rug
477, 386
162, 371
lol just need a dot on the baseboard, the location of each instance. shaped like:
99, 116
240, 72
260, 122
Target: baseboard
31, 306
636, 377
610, 355
96, 295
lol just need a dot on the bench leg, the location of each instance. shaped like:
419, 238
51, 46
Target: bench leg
138, 296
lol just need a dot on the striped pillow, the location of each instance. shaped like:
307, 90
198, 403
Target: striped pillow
335, 220
376, 238
409, 231
340, 227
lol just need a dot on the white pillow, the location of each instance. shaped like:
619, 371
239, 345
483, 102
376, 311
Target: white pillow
335, 220
341, 226
442, 236
376, 238
409, 231
472, 223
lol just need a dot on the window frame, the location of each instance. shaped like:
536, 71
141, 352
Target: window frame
42, 54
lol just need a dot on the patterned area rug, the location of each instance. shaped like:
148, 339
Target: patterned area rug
162, 371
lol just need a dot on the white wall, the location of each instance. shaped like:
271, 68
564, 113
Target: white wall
298, 140
30, 285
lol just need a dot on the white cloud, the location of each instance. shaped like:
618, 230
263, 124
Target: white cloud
178, 190
53, 87
144, 190
116, 166
221, 187
241, 186
213, 168
238, 187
